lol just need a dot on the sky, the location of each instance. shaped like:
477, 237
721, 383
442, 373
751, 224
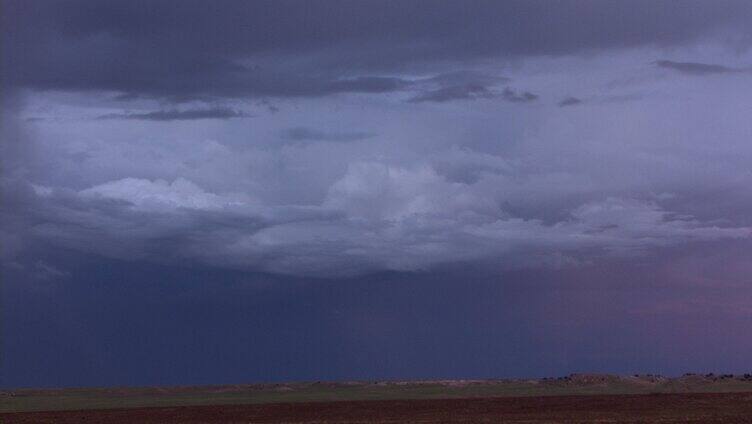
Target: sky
234, 192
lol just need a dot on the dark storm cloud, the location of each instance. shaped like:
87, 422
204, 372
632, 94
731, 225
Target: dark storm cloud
472, 92
302, 134
457, 92
366, 85
45, 272
520, 324
465, 77
409, 203
459, 85
517, 97
144, 226
284, 48
570, 101
693, 68
179, 115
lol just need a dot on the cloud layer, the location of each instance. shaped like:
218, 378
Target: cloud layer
238, 49
398, 136
179, 115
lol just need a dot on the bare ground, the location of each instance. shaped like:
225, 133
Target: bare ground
652, 408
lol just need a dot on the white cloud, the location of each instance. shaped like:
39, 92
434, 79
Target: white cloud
159, 194
376, 217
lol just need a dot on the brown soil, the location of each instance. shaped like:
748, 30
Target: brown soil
658, 408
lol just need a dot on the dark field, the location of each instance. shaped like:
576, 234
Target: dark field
657, 408
572, 399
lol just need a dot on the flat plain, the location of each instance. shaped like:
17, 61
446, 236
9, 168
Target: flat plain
571, 399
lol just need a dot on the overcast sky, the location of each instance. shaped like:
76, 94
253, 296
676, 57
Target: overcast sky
360, 189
